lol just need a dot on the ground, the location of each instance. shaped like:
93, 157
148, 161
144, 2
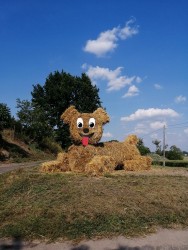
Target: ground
164, 239
126, 194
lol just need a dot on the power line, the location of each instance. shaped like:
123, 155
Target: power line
153, 132
178, 127
172, 125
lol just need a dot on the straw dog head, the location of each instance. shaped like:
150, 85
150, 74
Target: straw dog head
85, 128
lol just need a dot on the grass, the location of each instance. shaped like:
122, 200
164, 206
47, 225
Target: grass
185, 158
36, 205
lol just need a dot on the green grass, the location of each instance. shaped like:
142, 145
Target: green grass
36, 205
185, 158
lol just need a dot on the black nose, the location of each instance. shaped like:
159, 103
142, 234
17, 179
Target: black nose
86, 130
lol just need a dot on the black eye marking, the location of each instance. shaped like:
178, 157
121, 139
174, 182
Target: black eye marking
80, 123
92, 122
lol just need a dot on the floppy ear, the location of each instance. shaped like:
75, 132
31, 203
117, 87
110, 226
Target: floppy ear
68, 114
102, 115
132, 139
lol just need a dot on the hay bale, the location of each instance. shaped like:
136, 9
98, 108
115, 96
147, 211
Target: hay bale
89, 156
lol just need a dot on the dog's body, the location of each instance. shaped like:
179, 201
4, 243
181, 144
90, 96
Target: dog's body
93, 157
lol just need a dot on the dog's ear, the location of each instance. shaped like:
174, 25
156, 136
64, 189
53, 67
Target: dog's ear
69, 114
132, 139
101, 115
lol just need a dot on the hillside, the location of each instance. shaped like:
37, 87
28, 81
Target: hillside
13, 149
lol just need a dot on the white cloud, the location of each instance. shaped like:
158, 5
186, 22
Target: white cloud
180, 99
104, 43
132, 91
128, 31
157, 125
107, 40
140, 128
138, 79
150, 113
186, 131
115, 80
158, 86
107, 135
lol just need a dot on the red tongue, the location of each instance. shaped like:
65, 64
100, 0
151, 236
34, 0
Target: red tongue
85, 141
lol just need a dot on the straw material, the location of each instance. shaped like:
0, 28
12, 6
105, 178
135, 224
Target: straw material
96, 158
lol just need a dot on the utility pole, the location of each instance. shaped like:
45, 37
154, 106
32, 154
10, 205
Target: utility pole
164, 128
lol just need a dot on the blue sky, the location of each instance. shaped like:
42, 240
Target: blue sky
135, 51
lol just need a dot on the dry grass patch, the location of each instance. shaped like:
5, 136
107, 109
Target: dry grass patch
70, 206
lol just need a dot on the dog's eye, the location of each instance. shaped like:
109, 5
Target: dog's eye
92, 122
80, 122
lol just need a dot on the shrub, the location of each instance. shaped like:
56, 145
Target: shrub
51, 145
174, 153
156, 159
172, 163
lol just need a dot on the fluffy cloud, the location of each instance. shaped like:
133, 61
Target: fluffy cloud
127, 31
107, 40
146, 126
140, 128
138, 79
157, 125
180, 99
107, 135
150, 113
132, 91
115, 80
104, 43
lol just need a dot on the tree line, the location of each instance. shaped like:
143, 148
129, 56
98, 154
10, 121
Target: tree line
38, 119
174, 153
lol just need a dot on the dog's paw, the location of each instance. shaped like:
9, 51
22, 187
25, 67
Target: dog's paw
100, 165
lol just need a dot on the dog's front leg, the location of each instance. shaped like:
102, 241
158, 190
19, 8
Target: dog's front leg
59, 165
100, 165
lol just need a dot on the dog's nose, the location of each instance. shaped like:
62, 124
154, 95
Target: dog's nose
86, 130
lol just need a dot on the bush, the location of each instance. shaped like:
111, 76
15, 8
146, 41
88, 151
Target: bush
172, 163
142, 148
51, 145
156, 159
174, 153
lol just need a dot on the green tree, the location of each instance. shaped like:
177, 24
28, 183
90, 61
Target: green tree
142, 148
158, 146
59, 92
33, 121
5, 116
174, 153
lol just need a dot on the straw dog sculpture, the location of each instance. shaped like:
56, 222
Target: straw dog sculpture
89, 156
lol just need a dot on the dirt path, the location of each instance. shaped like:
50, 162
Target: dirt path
164, 239
7, 167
